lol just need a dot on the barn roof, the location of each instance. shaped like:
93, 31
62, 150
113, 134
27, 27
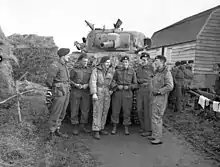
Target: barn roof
185, 30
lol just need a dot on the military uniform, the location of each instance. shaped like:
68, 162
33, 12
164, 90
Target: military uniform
178, 89
100, 81
80, 94
80, 98
162, 84
188, 77
58, 81
123, 98
144, 95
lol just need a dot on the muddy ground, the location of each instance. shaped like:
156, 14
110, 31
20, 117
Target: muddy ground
190, 140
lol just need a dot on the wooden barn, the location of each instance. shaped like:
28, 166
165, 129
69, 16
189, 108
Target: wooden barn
195, 38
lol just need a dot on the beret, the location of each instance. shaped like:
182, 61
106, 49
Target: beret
177, 63
183, 62
161, 57
125, 58
82, 56
104, 59
144, 54
63, 52
190, 61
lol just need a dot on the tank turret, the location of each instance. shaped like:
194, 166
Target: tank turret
116, 39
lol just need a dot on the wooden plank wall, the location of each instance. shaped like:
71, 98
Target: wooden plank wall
181, 52
154, 52
208, 45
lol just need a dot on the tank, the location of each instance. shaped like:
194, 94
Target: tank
114, 42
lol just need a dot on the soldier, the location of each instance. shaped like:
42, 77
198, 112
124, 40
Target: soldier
100, 81
162, 84
145, 73
172, 96
80, 95
58, 81
188, 77
124, 81
178, 77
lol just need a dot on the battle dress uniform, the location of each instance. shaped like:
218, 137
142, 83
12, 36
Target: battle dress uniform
80, 95
162, 84
58, 81
123, 97
100, 81
144, 95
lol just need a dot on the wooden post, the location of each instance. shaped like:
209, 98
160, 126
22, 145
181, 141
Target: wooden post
18, 102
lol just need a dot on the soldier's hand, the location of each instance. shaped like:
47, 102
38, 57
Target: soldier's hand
126, 87
110, 92
120, 87
156, 93
94, 97
85, 86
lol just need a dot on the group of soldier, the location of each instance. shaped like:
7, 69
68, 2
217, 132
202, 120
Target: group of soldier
101, 86
182, 77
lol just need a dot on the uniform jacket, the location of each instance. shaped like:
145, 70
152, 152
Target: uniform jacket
80, 74
57, 73
124, 77
100, 79
178, 76
162, 81
145, 73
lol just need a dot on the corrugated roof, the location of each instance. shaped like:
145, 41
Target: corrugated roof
183, 31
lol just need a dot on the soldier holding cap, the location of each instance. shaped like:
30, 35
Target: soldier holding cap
124, 81
58, 81
162, 84
145, 72
80, 95
100, 81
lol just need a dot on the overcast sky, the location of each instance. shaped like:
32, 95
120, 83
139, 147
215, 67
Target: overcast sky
64, 19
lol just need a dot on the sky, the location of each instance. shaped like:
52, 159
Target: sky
65, 19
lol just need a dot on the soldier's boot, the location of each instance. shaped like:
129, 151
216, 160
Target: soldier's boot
60, 134
75, 129
103, 132
85, 128
114, 130
96, 135
156, 142
145, 134
126, 130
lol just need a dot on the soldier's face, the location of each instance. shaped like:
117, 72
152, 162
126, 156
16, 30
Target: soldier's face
125, 63
65, 58
84, 61
158, 63
107, 63
144, 60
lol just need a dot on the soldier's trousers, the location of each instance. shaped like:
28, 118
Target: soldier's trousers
80, 99
144, 105
100, 109
58, 108
122, 99
179, 97
158, 108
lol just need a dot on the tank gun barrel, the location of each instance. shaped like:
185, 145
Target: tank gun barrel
108, 44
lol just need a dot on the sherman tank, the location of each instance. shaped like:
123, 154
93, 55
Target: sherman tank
115, 43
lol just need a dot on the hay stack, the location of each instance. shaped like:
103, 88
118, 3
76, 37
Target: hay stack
6, 79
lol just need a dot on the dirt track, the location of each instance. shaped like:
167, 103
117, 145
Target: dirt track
136, 151
120, 150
